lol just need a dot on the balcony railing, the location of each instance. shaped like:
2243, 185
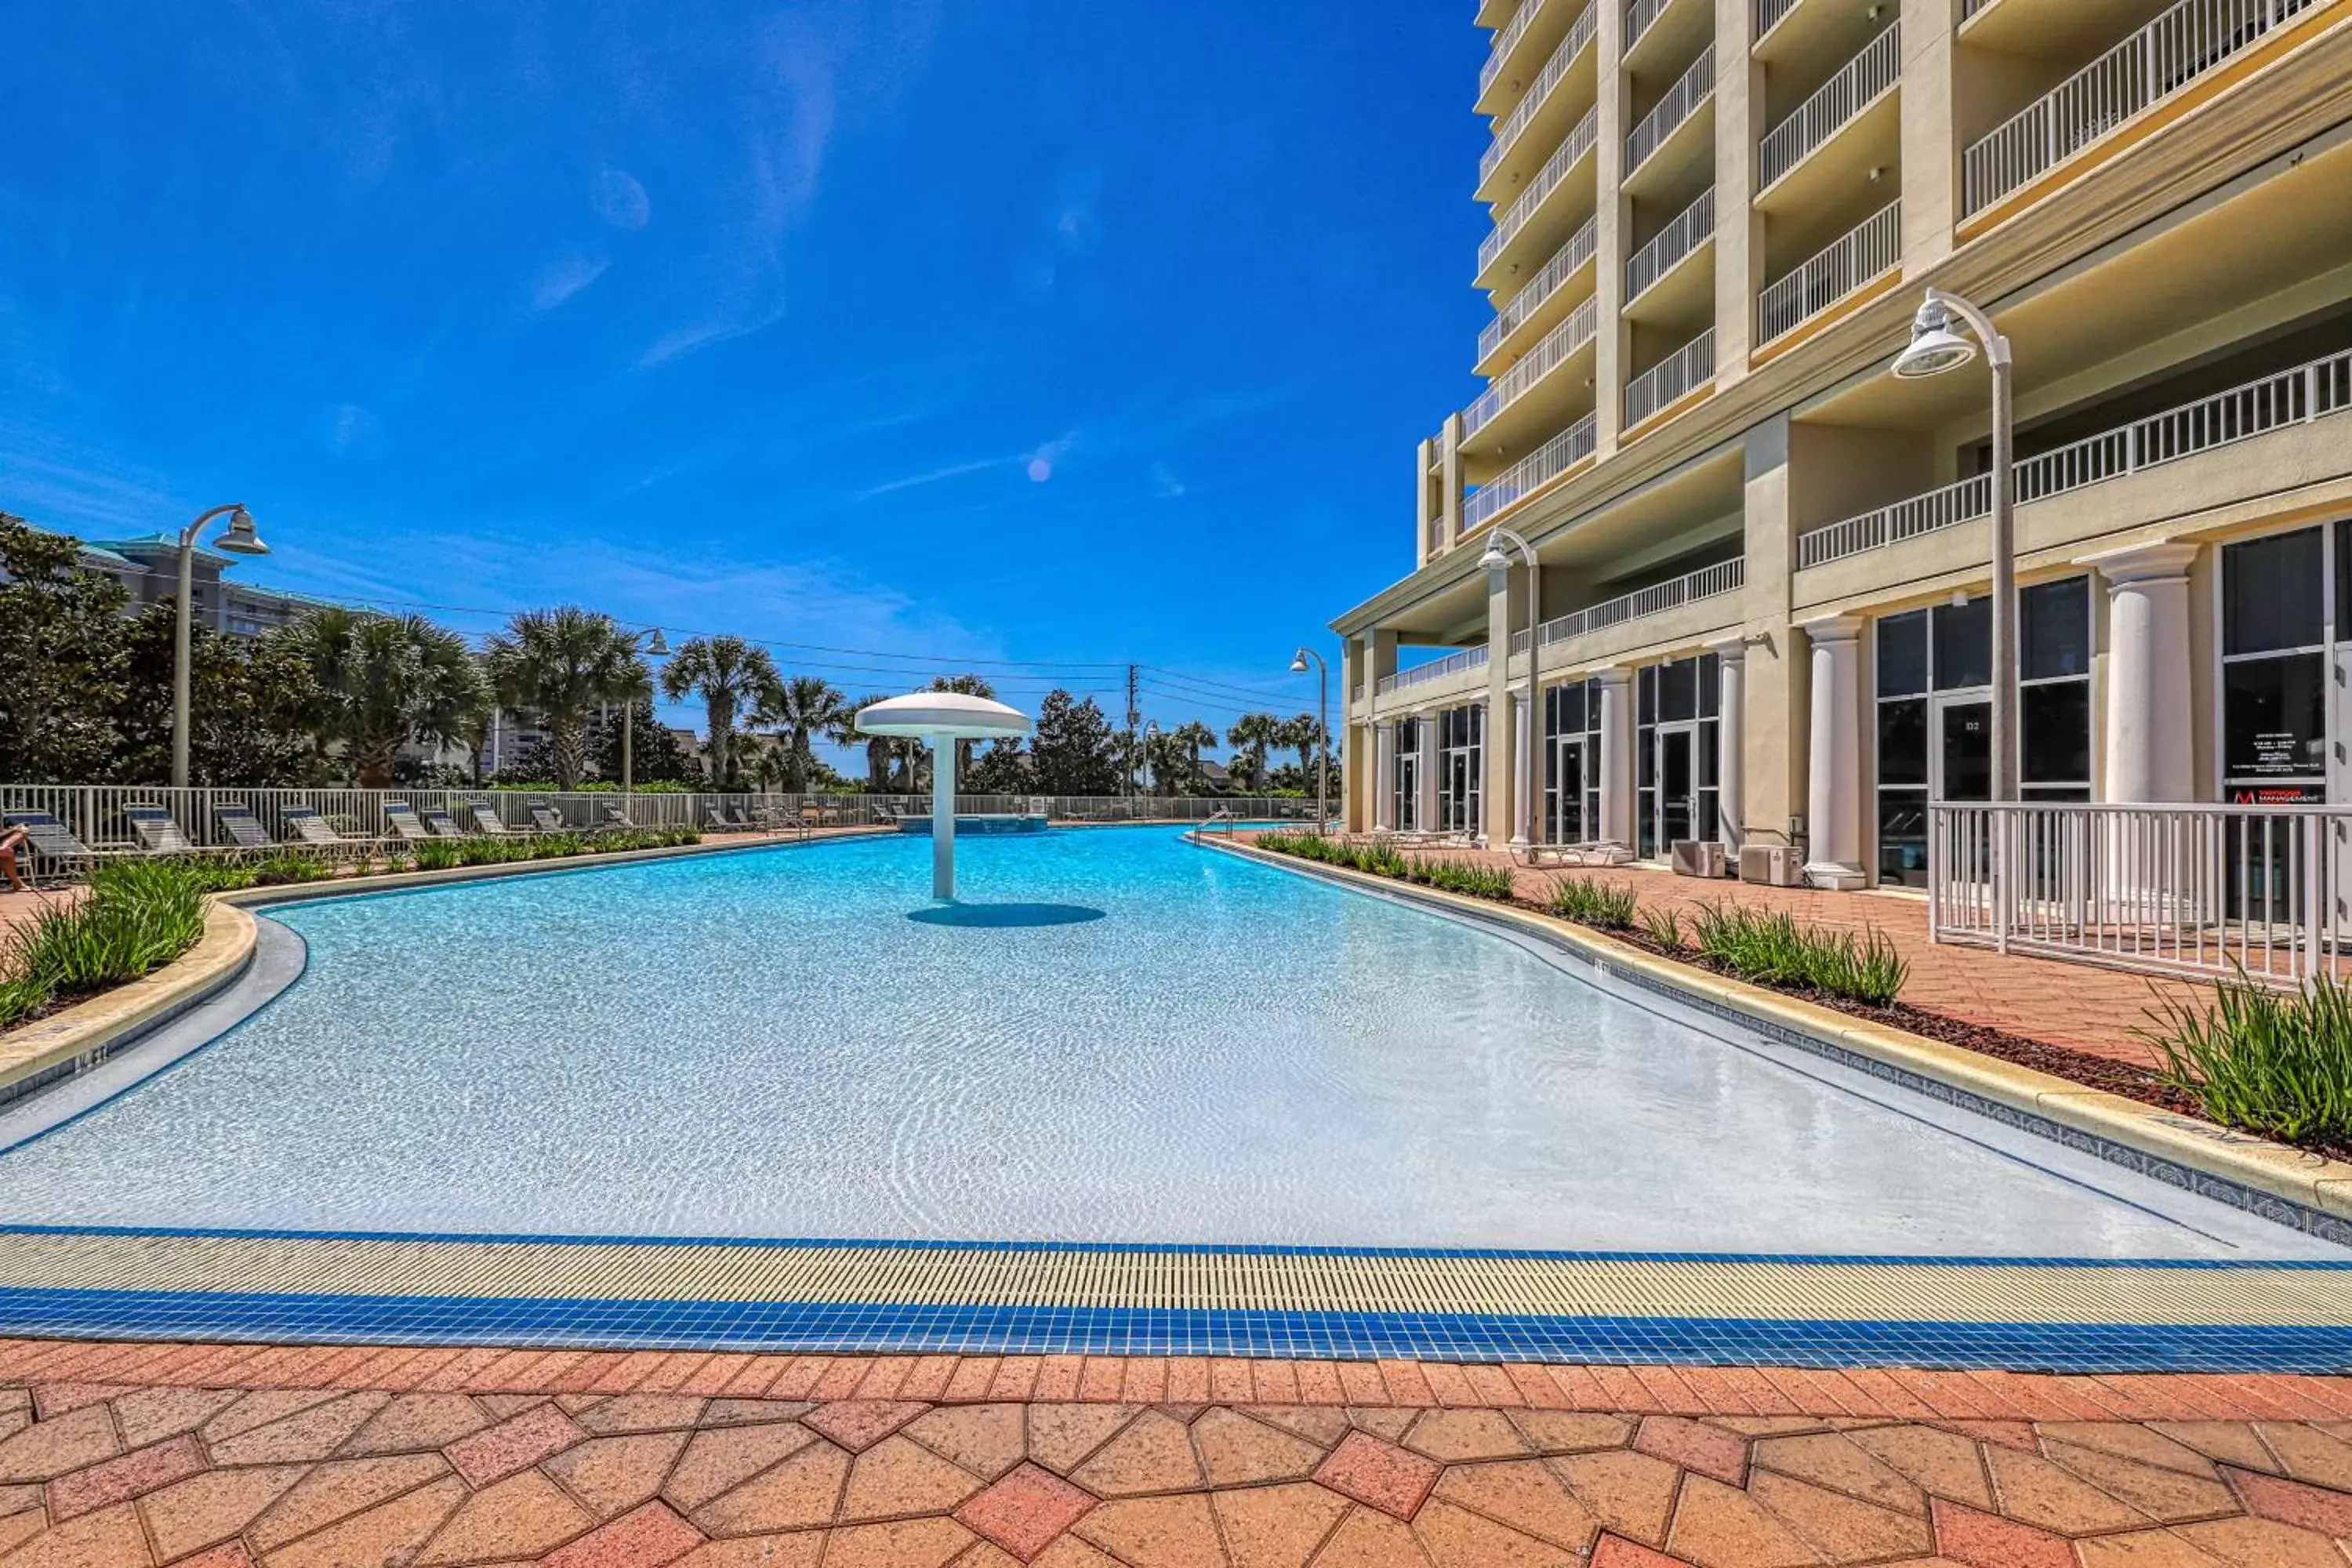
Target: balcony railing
1540, 360
1469, 658
1970, 7
1506, 41
2291, 397
1864, 253
1548, 280
1683, 100
2183, 44
1769, 13
1547, 179
1704, 584
1531, 473
1509, 129
1641, 15
1690, 366
1842, 97
1684, 233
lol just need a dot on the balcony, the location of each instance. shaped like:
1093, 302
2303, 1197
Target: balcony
1553, 459
1657, 31
1559, 345
1692, 91
1538, 304
1436, 669
1506, 42
1677, 376
1685, 234
1860, 95
1542, 114
2187, 42
2315, 390
1723, 577
1865, 254
1535, 218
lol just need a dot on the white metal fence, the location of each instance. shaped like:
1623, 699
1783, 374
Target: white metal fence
1532, 472
1866, 252
1666, 249
1693, 88
1547, 179
1558, 346
97, 815
1769, 13
1547, 281
1512, 126
1842, 97
2208, 890
1687, 368
2185, 42
1641, 15
2295, 396
1435, 670
1704, 584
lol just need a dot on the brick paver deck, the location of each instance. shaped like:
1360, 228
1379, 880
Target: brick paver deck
2078, 1005
290, 1457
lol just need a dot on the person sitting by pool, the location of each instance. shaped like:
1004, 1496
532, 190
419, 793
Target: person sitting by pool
9, 838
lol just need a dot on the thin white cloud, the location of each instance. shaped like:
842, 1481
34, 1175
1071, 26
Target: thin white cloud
685, 341
1165, 484
937, 475
565, 279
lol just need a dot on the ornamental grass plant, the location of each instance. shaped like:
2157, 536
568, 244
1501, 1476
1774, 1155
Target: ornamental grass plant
1606, 906
1769, 948
2270, 1062
137, 916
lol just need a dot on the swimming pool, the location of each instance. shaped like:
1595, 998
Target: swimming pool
1119, 1036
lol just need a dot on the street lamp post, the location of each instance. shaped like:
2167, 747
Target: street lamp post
1497, 564
1322, 727
241, 539
657, 648
1934, 349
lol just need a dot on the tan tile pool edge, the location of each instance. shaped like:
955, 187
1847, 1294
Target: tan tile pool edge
2311, 1180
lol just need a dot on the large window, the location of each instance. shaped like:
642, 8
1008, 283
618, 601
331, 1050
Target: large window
1935, 711
1405, 775
1571, 811
1461, 744
2275, 633
1676, 716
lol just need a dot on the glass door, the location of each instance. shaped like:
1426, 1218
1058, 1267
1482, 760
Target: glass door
1963, 754
1677, 784
1408, 786
1568, 823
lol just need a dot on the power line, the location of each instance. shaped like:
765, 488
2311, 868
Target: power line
1224, 686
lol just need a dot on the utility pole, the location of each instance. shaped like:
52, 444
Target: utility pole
1134, 728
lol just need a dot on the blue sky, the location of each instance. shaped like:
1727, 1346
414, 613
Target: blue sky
969, 330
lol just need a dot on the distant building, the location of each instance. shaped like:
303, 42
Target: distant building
148, 566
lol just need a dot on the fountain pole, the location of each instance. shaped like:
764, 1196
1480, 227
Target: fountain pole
943, 790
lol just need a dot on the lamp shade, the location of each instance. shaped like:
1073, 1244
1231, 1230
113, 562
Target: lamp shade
955, 715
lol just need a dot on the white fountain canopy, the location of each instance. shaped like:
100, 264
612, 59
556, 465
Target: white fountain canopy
942, 718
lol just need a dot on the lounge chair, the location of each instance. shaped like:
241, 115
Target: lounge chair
49, 838
440, 824
406, 824
543, 817
236, 819
718, 822
615, 817
487, 819
312, 828
739, 823
158, 833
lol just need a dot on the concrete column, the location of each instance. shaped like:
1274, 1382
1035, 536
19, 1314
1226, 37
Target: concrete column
2151, 747
1612, 122
1425, 808
1425, 504
1526, 784
1932, 135
1616, 755
1384, 784
1731, 725
1449, 494
1833, 774
1739, 228
1499, 755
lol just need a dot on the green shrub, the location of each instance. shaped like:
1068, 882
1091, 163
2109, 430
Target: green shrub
440, 854
1769, 948
1607, 905
1665, 927
1465, 876
1865, 969
2274, 1063
291, 866
138, 915
22, 995
214, 873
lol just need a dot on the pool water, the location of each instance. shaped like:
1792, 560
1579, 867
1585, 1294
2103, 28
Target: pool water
1119, 1035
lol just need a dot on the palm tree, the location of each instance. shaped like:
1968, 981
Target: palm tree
1252, 737
881, 750
1193, 736
971, 686
803, 708
387, 681
731, 675
559, 666
1305, 734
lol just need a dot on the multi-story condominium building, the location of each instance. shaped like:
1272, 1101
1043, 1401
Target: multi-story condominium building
149, 567
1762, 563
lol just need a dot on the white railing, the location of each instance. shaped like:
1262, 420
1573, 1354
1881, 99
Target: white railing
1435, 670
95, 815
2184, 43
1547, 179
2208, 890
1506, 41
1684, 233
1557, 347
1548, 280
1864, 253
1531, 473
1769, 13
1690, 92
1509, 128
1690, 366
1841, 100
1641, 15
1723, 577
1969, 8
2291, 397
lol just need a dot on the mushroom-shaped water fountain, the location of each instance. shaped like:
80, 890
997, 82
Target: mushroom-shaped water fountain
942, 718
